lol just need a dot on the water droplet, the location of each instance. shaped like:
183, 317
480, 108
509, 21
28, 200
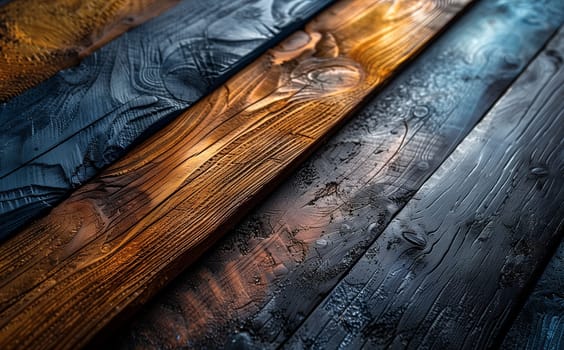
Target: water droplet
423, 165
345, 228
420, 111
321, 243
372, 227
539, 171
416, 239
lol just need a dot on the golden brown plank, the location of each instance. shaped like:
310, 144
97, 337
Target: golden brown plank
38, 38
121, 237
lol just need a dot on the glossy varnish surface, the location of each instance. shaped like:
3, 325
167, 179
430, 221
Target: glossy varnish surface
38, 38
120, 237
59, 134
263, 279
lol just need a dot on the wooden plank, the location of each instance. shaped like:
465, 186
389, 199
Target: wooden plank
55, 137
122, 236
449, 269
540, 324
267, 275
38, 38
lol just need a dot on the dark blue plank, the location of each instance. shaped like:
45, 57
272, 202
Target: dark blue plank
540, 324
58, 135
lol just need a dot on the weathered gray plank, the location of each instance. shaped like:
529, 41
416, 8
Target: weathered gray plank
260, 283
59, 134
540, 324
448, 270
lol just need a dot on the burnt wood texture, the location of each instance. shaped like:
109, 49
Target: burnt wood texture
260, 282
38, 38
540, 324
122, 236
449, 269
56, 136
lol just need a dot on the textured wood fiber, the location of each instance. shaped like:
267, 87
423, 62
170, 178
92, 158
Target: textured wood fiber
38, 38
56, 136
123, 235
540, 324
265, 277
449, 269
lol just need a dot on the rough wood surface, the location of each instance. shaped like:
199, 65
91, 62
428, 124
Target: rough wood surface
449, 269
123, 235
59, 134
540, 324
266, 276
38, 38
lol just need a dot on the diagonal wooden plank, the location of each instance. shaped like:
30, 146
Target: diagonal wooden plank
122, 236
55, 137
449, 269
38, 38
264, 278
540, 324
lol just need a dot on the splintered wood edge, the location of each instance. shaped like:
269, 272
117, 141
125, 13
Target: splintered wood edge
121, 237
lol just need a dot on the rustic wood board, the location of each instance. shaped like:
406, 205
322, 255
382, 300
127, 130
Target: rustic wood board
38, 38
540, 324
264, 278
449, 269
120, 237
59, 134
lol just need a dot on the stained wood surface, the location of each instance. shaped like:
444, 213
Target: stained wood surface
257, 286
448, 270
56, 136
540, 324
38, 38
122, 236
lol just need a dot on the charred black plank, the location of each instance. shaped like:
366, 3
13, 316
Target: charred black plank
449, 269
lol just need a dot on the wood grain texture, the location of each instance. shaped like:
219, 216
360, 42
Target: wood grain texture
38, 38
449, 269
122, 236
257, 286
56, 136
540, 324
